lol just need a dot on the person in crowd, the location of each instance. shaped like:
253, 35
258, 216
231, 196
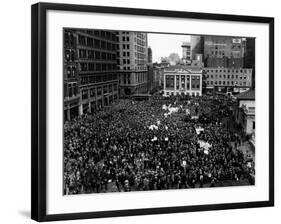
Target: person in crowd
116, 148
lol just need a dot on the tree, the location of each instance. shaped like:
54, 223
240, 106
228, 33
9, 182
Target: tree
174, 58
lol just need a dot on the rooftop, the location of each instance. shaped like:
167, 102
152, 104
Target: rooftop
248, 95
184, 68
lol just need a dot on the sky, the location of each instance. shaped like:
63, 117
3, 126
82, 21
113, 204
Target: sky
163, 45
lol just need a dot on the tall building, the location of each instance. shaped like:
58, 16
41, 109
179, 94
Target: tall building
96, 75
197, 46
132, 62
182, 80
149, 55
71, 91
249, 57
223, 52
186, 52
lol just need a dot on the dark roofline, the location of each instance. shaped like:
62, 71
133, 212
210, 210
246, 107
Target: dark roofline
248, 95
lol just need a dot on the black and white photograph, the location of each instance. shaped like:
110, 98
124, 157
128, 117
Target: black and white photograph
148, 111
139, 111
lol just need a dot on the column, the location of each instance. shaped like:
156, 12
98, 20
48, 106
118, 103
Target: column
80, 108
185, 82
164, 83
175, 81
89, 101
102, 97
68, 113
200, 85
96, 97
80, 104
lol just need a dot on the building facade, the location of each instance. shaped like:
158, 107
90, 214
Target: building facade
182, 80
71, 90
245, 112
223, 52
197, 46
96, 71
149, 55
249, 57
227, 77
186, 53
132, 62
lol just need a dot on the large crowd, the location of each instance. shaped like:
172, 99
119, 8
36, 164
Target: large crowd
139, 145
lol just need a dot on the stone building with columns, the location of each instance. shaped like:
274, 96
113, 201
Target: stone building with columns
182, 80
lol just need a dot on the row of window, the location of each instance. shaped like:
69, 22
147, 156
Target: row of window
182, 82
96, 55
227, 76
141, 77
185, 93
123, 46
69, 55
70, 90
141, 35
140, 42
125, 54
140, 48
140, 55
101, 33
232, 83
93, 92
98, 78
123, 67
71, 71
97, 67
124, 38
124, 61
69, 39
95, 43
126, 79
140, 67
226, 70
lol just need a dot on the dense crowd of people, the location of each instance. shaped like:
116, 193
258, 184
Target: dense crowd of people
139, 145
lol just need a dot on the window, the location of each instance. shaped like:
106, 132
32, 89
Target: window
92, 92
84, 94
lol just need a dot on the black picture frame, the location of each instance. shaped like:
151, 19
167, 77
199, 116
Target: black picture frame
38, 110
